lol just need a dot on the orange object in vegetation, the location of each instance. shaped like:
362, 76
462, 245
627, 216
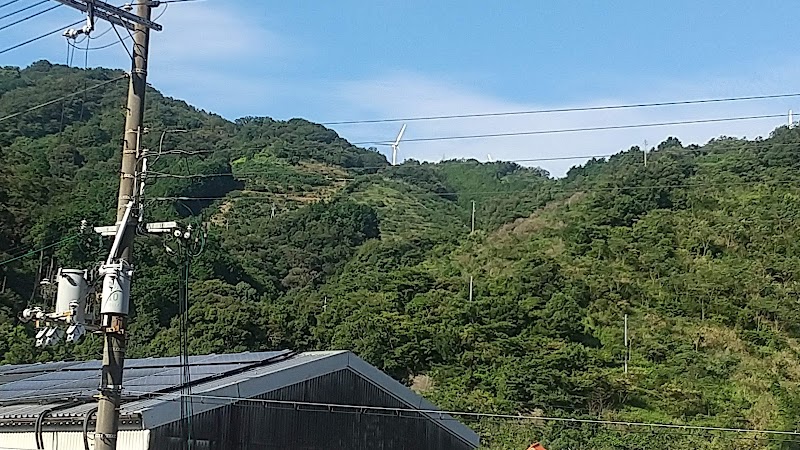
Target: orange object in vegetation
536, 446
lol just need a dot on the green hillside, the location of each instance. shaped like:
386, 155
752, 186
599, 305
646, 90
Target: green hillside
315, 244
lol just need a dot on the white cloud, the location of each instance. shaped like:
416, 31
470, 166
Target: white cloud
213, 55
213, 34
410, 95
216, 55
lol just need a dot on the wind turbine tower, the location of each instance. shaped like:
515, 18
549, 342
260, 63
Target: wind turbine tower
397, 144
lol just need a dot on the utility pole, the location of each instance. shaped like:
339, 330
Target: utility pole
627, 344
473, 218
118, 269
115, 340
791, 120
645, 152
470, 288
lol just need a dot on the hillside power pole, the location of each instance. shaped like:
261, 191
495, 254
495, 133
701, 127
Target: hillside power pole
644, 150
627, 351
472, 228
118, 269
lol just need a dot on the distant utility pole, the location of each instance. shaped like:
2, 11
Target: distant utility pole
644, 149
791, 120
473, 218
627, 344
470, 288
118, 270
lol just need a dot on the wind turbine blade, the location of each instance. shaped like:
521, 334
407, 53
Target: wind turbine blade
400, 136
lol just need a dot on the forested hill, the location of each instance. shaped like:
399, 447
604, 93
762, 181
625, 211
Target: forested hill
316, 244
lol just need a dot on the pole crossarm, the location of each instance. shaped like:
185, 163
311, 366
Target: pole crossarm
111, 13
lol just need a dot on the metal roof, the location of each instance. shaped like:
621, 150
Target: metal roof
26, 391
76, 380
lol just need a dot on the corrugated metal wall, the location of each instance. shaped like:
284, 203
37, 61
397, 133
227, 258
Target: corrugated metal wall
251, 426
72, 440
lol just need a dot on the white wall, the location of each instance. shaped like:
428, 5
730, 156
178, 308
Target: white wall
71, 440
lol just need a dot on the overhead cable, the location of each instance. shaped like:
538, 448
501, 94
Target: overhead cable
11, 2
24, 9
42, 105
563, 110
575, 130
35, 251
168, 1
42, 36
467, 161
514, 192
29, 17
441, 413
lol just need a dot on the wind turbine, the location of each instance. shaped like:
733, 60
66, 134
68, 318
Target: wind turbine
397, 144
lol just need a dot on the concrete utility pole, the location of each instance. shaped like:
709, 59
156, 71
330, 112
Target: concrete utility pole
118, 269
626, 343
114, 342
644, 149
473, 218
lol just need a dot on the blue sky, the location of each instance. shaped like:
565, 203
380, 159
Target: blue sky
346, 59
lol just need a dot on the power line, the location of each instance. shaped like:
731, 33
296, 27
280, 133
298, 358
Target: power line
515, 192
42, 105
441, 413
8, 3
628, 431
100, 47
576, 130
35, 251
467, 161
108, 30
58, 30
42, 2
122, 41
561, 110
557, 158
29, 17
169, 1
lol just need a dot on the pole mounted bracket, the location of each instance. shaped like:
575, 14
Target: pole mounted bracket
111, 13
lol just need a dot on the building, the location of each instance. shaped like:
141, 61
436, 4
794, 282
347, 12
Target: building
285, 400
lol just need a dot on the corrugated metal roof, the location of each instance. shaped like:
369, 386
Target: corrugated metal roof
227, 378
62, 380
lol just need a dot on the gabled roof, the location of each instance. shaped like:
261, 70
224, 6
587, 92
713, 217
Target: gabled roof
150, 384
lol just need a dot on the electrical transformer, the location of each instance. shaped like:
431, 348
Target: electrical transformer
116, 289
71, 294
